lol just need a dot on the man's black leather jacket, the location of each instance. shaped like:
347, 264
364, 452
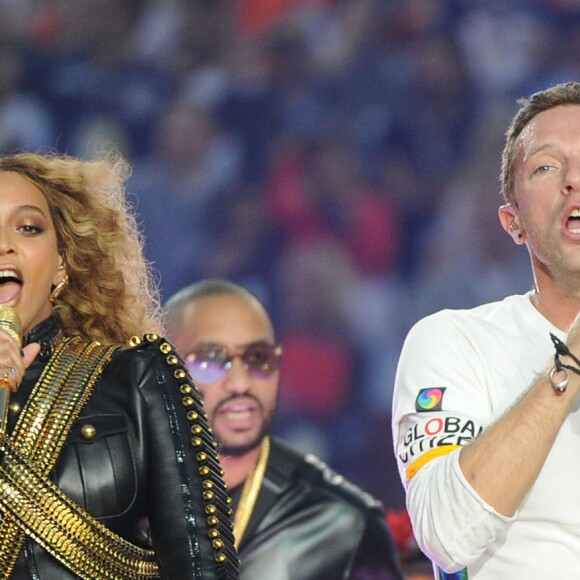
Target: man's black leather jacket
309, 523
137, 473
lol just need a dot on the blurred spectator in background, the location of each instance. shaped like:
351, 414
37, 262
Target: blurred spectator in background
468, 225
25, 119
245, 243
319, 367
293, 516
192, 165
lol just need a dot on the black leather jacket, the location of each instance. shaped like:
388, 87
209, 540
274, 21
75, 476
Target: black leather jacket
138, 475
309, 523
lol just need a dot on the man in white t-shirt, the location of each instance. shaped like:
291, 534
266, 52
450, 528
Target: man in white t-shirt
486, 419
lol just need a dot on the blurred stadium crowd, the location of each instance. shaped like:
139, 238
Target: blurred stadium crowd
337, 157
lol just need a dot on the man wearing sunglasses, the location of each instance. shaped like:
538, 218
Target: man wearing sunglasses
293, 516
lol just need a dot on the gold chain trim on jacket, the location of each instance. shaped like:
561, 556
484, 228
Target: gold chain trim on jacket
250, 493
83, 545
30, 504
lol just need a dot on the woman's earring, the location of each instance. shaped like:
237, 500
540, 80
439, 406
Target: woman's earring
58, 289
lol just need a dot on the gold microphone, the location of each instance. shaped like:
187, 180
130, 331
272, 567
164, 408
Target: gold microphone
10, 323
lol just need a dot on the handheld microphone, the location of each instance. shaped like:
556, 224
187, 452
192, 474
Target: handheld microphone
10, 323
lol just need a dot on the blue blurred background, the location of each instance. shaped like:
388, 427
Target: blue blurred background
339, 158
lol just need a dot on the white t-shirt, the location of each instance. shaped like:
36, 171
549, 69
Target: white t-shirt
458, 373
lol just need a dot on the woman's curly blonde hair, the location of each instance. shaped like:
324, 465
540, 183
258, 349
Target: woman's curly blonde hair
111, 294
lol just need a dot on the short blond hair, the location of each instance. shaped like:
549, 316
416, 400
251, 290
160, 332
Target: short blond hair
561, 94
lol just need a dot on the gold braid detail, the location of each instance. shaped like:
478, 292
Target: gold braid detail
32, 505
72, 536
250, 492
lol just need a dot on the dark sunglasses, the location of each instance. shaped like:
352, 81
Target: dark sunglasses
209, 363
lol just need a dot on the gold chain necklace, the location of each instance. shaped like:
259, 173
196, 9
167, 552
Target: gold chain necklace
250, 493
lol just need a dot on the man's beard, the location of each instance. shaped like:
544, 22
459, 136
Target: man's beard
241, 449
238, 450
